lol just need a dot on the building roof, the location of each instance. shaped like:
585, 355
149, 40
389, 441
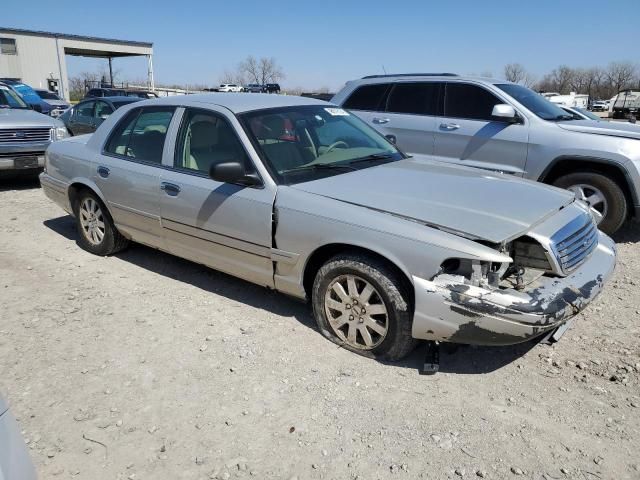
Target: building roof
237, 102
68, 36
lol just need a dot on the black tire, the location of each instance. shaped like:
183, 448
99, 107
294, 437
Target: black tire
392, 290
618, 208
112, 241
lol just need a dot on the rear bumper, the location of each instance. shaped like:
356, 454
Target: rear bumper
56, 190
460, 313
15, 462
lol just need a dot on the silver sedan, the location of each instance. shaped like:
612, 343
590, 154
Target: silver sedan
300, 196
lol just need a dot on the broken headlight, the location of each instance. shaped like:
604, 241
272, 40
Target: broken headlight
475, 272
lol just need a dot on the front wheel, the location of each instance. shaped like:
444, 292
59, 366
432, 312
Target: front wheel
363, 305
96, 231
604, 196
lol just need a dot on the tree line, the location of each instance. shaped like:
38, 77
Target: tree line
598, 82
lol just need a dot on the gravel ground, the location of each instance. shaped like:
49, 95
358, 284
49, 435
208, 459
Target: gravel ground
146, 366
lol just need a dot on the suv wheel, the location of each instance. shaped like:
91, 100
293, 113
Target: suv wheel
96, 232
604, 196
362, 305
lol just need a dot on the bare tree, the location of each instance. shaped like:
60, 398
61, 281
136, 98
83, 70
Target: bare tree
514, 72
261, 71
236, 77
79, 84
620, 75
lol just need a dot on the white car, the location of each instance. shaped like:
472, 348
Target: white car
14, 456
230, 87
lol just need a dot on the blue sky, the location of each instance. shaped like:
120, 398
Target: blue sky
325, 43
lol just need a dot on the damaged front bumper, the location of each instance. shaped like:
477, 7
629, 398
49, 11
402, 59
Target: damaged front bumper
446, 310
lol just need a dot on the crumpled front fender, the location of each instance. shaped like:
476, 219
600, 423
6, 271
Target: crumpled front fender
452, 311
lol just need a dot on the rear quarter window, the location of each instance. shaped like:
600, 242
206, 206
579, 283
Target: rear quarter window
367, 97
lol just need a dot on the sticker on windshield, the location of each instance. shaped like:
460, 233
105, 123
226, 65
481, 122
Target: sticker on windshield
336, 112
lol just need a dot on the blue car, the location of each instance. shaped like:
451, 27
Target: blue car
29, 95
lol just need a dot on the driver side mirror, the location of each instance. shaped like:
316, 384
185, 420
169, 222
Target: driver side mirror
505, 112
233, 172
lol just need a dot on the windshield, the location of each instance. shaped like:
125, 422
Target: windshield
26, 92
10, 99
587, 114
47, 95
300, 144
535, 102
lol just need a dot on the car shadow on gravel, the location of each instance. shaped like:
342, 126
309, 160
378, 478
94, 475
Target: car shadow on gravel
461, 359
468, 359
629, 233
23, 182
199, 276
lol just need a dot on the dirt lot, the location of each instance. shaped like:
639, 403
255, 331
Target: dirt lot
145, 366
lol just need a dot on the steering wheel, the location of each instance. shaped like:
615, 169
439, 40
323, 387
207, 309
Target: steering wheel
336, 145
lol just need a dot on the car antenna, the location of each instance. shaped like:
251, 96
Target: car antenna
384, 70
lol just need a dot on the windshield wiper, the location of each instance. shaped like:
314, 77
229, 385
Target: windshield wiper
319, 166
372, 157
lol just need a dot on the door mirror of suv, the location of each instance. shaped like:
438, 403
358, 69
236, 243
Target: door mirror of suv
232, 172
505, 112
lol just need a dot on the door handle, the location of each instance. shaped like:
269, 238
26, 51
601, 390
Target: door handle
449, 126
380, 121
103, 172
170, 188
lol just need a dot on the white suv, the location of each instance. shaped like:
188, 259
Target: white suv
230, 87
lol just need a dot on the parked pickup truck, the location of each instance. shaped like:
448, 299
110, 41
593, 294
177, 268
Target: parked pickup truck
24, 134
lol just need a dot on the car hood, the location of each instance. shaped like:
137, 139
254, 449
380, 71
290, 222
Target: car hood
465, 201
615, 129
57, 103
14, 118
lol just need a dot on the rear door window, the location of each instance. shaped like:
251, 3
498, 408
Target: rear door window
414, 98
141, 134
472, 102
368, 97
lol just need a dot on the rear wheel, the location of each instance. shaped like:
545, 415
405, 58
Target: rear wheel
363, 305
604, 196
96, 232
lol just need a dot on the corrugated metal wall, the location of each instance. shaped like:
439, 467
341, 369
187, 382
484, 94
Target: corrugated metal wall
42, 57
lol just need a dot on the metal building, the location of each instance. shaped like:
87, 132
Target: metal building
39, 58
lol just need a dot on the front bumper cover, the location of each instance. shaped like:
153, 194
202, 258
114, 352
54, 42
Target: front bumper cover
451, 311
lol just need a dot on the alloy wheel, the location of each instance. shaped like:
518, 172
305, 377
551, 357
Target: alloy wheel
356, 312
92, 221
593, 197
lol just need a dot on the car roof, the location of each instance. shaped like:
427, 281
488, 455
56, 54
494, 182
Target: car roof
115, 98
373, 79
236, 102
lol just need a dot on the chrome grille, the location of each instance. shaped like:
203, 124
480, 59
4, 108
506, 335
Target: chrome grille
23, 135
574, 243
